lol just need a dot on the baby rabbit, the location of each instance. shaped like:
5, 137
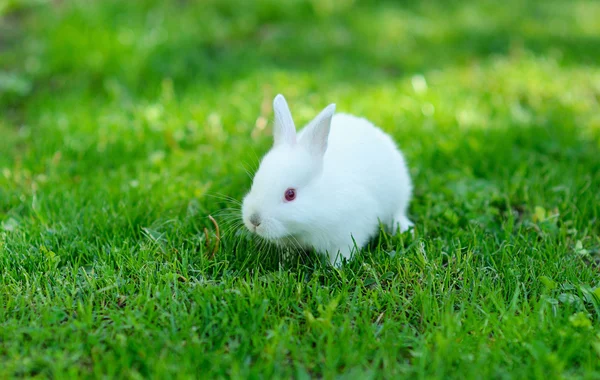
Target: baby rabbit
328, 186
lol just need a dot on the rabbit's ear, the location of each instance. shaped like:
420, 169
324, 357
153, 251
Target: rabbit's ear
284, 131
315, 135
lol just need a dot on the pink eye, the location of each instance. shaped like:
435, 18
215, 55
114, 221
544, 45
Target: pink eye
290, 195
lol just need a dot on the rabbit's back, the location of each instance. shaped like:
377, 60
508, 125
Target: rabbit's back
364, 159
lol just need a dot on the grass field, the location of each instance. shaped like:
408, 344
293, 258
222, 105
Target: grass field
124, 124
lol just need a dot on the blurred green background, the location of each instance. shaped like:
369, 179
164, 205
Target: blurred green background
123, 124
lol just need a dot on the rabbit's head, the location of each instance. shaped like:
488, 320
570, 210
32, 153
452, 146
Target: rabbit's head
283, 200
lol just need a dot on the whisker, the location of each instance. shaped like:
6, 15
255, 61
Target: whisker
257, 160
248, 171
224, 197
230, 231
227, 215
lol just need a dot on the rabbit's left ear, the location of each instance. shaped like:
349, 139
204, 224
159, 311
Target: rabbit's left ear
284, 131
314, 137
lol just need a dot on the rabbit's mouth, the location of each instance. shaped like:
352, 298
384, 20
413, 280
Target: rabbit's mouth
269, 229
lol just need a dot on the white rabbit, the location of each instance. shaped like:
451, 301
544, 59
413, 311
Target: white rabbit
328, 186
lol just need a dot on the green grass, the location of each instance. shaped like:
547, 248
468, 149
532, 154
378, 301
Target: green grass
123, 125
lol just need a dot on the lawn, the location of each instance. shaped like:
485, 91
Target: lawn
125, 124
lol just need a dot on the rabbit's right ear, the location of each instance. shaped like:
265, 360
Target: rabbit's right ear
284, 131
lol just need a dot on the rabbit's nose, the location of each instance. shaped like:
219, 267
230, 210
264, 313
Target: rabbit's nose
255, 219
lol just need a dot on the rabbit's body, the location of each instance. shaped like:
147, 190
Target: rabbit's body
363, 170
346, 175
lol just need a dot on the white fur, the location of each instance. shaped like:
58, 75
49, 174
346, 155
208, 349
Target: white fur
348, 175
